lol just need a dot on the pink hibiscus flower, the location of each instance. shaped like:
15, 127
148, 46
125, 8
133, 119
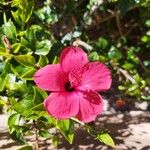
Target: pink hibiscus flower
74, 84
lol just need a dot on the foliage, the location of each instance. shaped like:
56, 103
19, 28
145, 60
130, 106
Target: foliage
32, 34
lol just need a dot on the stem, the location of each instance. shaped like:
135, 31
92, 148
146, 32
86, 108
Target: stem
22, 27
36, 136
127, 75
91, 130
78, 121
79, 42
113, 15
118, 23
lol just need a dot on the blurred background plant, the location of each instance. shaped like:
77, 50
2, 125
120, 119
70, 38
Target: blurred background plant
33, 33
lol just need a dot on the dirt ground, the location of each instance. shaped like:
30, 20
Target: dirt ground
130, 130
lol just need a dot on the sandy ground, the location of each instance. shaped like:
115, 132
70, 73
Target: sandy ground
131, 131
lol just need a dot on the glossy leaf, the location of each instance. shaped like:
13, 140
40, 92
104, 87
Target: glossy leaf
128, 66
3, 51
16, 47
114, 54
26, 148
24, 106
39, 107
67, 129
94, 56
4, 79
2, 1
106, 139
39, 95
9, 30
26, 60
102, 43
44, 133
43, 48
24, 11
43, 61
13, 120
23, 72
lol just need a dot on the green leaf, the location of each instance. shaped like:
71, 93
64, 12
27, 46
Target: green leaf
133, 87
145, 38
94, 56
106, 139
34, 115
24, 106
23, 72
137, 78
13, 120
145, 97
16, 47
29, 10
16, 15
44, 133
3, 51
28, 39
42, 61
29, 74
6, 67
17, 136
9, 30
2, 102
39, 107
114, 54
146, 63
128, 66
147, 23
39, 95
24, 11
2, 1
4, 79
26, 148
131, 55
145, 3
26, 60
103, 58
120, 87
67, 129
55, 60
15, 3
122, 41
55, 140
23, 4
43, 47
102, 43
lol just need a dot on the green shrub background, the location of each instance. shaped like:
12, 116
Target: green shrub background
33, 33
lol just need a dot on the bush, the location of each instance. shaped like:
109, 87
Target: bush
33, 33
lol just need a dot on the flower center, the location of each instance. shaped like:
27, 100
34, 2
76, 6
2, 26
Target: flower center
68, 87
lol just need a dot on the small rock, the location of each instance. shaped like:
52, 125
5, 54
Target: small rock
120, 116
120, 147
127, 133
106, 105
142, 106
135, 113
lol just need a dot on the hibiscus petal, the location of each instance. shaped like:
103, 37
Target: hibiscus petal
95, 76
62, 105
75, 78
90, 106
50, 78
73, 58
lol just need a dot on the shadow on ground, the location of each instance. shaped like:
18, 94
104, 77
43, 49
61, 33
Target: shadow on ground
129, 130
